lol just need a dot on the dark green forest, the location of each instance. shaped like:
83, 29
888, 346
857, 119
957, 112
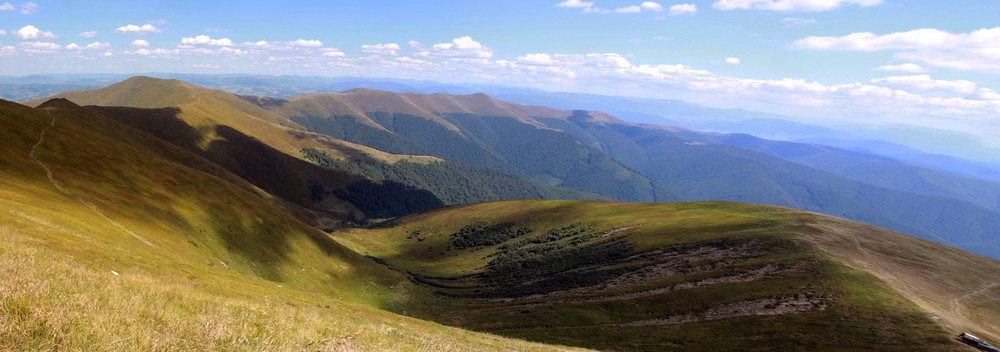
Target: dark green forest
452, 182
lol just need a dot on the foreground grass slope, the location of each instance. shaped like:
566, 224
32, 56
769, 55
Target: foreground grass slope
685, 276
115, 240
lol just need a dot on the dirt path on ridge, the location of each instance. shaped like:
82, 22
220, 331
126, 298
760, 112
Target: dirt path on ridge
59, 186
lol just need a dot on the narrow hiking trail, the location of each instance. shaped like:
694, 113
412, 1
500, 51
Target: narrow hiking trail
59, 186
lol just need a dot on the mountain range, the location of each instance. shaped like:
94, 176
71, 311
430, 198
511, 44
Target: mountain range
174, 208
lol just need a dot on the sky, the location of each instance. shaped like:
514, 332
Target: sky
921, 63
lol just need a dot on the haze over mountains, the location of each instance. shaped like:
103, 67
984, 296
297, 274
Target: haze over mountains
180, 193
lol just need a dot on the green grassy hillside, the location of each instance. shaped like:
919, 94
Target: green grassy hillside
683, 276
116, 240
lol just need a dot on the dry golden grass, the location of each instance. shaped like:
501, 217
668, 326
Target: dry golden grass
50, 300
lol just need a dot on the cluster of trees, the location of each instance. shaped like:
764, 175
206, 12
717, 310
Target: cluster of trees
452, 182
559, 259
480, 233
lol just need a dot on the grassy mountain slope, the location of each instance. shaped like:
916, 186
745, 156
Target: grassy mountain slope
116, 240
685, 276
473, 129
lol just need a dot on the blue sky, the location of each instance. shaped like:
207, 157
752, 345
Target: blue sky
923, 63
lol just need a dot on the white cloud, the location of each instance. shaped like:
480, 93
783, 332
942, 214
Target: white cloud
159, 52
91, 46
683, 9
732, 60
32, 32
139, 43
575, 3
464, 47
40, 47
28, 8
652, 6
3, 32
629, 9
306, 43
88, 34
987, 94
97, 46
331, 52
206, 40
790, 5
907, 67
134, 29
381, 49
7, 7
978, 50
415, 44
793, 21
926, 83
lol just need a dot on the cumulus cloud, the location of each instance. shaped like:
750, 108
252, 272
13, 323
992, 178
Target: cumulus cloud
977, 50
134, 29
790, 5
926, 83
206, 40
683, 9
793, 21
160, 52
381, 49
575, 3
332, 52
306, 43
732, 60
91, 46
32, 32
40, 47
28, 8
651, 6
464, 47
7, 7
139, 43
629, 9
88, 34
3, 32
907, 67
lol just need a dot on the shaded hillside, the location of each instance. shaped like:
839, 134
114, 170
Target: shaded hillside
331, 192
684, 276
473, 129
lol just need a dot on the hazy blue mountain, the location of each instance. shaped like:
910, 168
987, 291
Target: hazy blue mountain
876, 170
703, 171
